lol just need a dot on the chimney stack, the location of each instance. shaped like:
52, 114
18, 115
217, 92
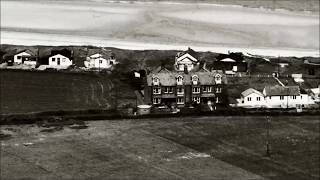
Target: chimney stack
185, 69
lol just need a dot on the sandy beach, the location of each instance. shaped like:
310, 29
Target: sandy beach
147, 25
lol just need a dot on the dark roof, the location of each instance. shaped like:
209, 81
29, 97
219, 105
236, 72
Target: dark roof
189, 51
169, 78
282, 90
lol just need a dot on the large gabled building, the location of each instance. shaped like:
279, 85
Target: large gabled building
186, 87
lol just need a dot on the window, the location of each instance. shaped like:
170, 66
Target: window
180, 90
179, 80
258, 98
168, 89
248, 98
196, 99
218, 90
218, 79
156, 100
100, 61
206, 89
195, 79
53, 59
180, 100
18, 57
195, 90
294, 97
156, 90
111, 62
281, 97
155, 81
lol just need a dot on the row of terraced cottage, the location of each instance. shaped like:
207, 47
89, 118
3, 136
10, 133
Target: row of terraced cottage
61, 59
190, 84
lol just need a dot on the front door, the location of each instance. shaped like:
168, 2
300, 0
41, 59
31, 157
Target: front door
58, 61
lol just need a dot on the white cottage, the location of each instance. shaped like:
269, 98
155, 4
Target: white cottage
251, 98
100, 59
25, 57
187, 59
59, 61
286, 97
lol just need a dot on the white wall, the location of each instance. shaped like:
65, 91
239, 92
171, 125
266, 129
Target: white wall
94, 62
31, 63
64, 61
186, 59
254, 102
288, 101
19, 61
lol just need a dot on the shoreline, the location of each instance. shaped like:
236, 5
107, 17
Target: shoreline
263, 51
142, 26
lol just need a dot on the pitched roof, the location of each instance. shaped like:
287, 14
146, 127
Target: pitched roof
106, 54
189, 51
169, 78
32, 53
227, 60
282, 90
65, 52
250, 91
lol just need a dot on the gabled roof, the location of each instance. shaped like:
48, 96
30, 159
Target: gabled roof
106, 54
189, 51
160, 69
282, 90
250, 91
168, 78
227, 60
32, 53
59, 55
65, 52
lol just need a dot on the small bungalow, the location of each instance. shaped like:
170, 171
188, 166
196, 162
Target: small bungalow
286, 97
251, 98
276, 97
60, 59
99, 59
26, 57
230, 63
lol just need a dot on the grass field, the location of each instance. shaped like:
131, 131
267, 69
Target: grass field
25, 92
188, 148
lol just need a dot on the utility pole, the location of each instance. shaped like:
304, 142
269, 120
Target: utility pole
268, 146
287, 96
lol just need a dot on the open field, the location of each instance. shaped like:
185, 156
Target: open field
159, 25
188, 148
25, 92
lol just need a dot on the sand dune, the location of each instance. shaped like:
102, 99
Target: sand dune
159, 26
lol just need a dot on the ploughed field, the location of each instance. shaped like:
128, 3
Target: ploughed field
172, 148
25, 92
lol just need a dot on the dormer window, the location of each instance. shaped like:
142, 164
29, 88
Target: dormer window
195, 79
156, 81
179, 80
218, 79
